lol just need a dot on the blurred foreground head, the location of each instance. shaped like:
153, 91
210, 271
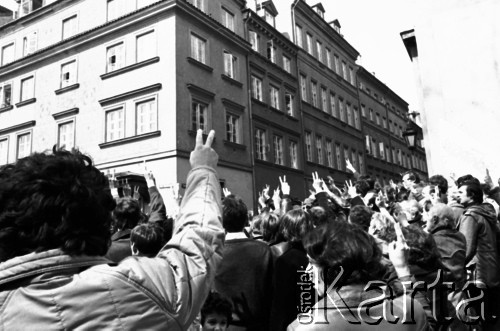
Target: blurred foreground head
54, 200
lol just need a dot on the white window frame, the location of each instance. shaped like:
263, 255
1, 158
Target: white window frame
298, 36
261, 146
336, 59
303, 87
308, 143
107, 131
227, 18
293, 151
314, 94
65, 34
319, 50
324, 99
319, 149
274, 96
309, 38
328, 58
4, 159
3, 103
233, 127
154, 111
287, 64
341, 110
350, 120
115, 56
230, 64
338, 156
344, 70
329, 153
69, 78
27, 95
257, 88
199, 47
333, 110
361, 163
18, 135
154, 46
278, 150
289, 104
254, 40
271, 51
60, 124
11, 46
196, 124
30, 43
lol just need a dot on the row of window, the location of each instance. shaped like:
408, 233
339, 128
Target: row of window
326, 152
263, 149
329, 102
375, 117
271, 51
324, 55
275, 98
382, 151
22, 146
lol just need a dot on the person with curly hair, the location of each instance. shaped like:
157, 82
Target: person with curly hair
55, 216
216, 313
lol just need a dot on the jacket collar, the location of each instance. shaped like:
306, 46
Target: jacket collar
35, 264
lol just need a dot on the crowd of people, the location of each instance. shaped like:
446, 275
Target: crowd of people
411, 255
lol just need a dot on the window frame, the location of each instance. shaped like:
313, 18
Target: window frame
228, 19
2, 94
195, 51
123, 55
23, 133
293, 151
141, 100
260, 141
236, 135
21, 87
195, 99
278, 152
257, 89
231, 70
7, 140
308, 144
69, 61
12, 44
73, 16
274, 96
62, 122
148, 31
110, 109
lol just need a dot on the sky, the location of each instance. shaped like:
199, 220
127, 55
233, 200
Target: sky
373, 27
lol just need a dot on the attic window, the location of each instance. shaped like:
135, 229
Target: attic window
320, 12
269, 17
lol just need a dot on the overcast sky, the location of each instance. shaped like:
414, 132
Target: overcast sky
373, 27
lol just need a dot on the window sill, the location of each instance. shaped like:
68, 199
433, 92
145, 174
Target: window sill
293, 118
257, 101
276, 110
200, 64
25, 102
235, 145
67, 88
232, 81
130, 68
130, 139
6, 108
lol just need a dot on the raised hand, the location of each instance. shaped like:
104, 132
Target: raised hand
276, 194
148, 175
487, 179
265, 192
226, 192
392, 184
285, 188
317, 182
136, 194
351, 189
203, 154
398, 253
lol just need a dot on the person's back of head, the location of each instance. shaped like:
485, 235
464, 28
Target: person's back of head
234, 214
58, 200
441, 215
318, 215
127, 213
295, 224
147, 239
361, 216
423, 250
362, 187
270, 223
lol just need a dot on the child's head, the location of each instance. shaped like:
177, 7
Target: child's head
216, 313
147, 239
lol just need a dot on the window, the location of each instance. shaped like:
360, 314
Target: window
377, 118
27, 88
298, 36
324, 101
257, 88
230, 65
198, 48
381, 148
286, 64
328, 58
228, 19
329, 153
115, 57
374, 147
269, 17
7, 53
66, 135
394, 155
68, 74
289, 104
339, 157
146, 46
368, 145
69, 27
115, 8
199, 113
371, 114
303, 87
23, 145
146, 116
404, 160
271, 51
314, 94
344, 71
27, 6
349, 115
357, 123
346, 153
388, 154
390, 126
332, 105
341, 110
5, 95
309, 44
319, 149
319, 50
278, 150
294, 158
354, 158
4, 151
274, 94
384, 122
351, 76
30, 43
115, 124
361, 163
233, 128
337, 63
260, 144
363, 110
198, 4
308, 147
254, 40
400, 160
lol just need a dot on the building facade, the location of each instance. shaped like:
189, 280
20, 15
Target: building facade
130, 82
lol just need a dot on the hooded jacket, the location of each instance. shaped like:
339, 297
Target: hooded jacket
478, 224
53, 291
